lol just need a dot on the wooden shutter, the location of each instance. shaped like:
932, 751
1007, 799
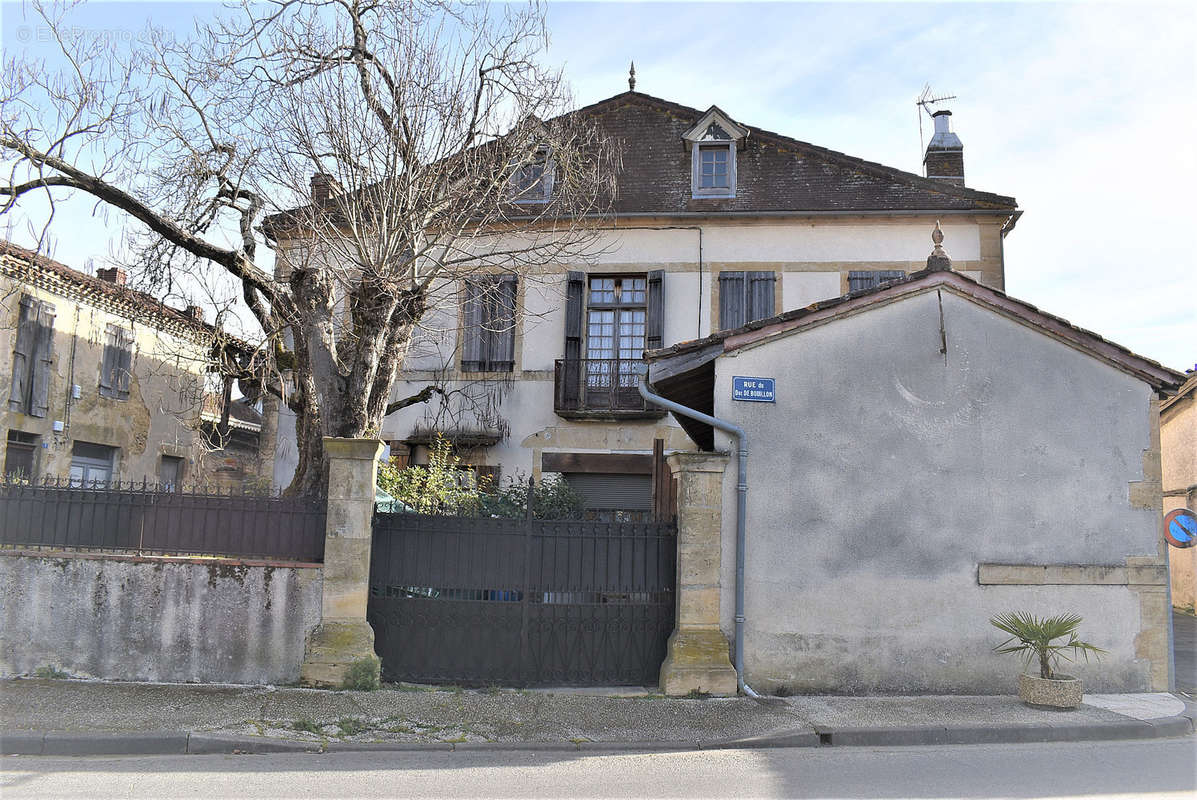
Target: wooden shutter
124, 363
108, 364
22, 355
471, 331
731, 300
571, 378
869, 279
654, 318
502, 354
760, 295
43, 362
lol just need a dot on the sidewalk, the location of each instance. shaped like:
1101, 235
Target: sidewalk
66, 717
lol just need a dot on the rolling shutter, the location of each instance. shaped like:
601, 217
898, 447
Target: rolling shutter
604, 491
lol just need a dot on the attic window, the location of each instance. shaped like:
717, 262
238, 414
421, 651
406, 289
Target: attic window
532, 182
713, 143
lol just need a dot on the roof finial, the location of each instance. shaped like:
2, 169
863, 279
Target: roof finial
939, 259
632, 78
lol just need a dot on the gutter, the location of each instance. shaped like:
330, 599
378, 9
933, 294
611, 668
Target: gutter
741, 510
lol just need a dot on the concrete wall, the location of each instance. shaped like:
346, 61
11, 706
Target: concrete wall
905, 469
124, 618
811, 258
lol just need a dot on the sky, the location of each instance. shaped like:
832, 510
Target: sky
1085, 112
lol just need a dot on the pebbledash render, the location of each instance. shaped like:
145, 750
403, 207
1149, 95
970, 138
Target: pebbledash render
715, 223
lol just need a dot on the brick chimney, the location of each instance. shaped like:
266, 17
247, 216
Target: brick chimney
324, 186
112, 275
195, 312
944, 159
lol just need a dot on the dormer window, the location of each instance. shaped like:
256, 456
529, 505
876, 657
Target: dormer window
713, 143
532, 181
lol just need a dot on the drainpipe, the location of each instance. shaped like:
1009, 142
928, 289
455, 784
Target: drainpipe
741, 510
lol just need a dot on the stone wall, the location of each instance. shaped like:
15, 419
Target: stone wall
156, 619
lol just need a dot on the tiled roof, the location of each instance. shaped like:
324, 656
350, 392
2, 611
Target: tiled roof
31, 267
1154, 373
775, 173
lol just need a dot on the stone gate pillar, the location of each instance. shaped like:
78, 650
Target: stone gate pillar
343, 636
697, 655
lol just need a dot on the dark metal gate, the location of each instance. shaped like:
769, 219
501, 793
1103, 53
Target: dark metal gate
520, 602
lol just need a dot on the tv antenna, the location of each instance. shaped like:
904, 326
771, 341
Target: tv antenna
927, 99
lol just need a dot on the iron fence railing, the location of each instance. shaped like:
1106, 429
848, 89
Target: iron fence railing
146, 518
600, 386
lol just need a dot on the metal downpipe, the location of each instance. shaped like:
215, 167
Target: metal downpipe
741, 510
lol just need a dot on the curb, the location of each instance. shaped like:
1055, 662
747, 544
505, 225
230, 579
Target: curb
65, 743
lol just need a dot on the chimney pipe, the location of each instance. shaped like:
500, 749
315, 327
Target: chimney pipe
944, 159
324, 186
112, 275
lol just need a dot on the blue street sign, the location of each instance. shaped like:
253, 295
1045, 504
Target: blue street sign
1180, 528
753, 390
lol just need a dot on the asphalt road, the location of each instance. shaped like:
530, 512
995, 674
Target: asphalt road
1157, 769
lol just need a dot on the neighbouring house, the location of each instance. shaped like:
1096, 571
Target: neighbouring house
922, 456
104, 383
1178, 443
715, 223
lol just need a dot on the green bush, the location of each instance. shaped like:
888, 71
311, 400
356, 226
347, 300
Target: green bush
444, 486
362, 675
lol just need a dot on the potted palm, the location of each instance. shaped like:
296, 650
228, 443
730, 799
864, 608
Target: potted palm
1045, 640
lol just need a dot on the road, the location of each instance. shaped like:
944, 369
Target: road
1152, 769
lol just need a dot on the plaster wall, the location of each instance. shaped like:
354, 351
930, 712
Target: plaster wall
155, 620
888, 471
1178, 451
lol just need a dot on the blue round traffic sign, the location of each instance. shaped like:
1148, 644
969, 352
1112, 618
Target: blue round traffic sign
1180, 528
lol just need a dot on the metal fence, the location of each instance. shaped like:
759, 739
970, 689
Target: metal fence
477, 601
144, 518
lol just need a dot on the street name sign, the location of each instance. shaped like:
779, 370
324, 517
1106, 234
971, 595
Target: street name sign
753, 390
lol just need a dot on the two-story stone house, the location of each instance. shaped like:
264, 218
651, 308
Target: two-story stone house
102, 383
715, 223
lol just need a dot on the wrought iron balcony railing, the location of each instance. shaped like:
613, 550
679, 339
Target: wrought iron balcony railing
600, 388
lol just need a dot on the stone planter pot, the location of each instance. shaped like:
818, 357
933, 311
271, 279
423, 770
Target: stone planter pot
1062, 691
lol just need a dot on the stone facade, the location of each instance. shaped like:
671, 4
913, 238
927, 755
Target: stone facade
155, 426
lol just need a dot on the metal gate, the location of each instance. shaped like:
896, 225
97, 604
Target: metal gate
521, 602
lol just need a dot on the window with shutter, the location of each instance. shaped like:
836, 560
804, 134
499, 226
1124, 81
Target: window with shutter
32, 358
22, 356
870, 279
488, 343
744, 297
43, 362
117, 364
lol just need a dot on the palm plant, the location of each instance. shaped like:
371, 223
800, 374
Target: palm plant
1036, 638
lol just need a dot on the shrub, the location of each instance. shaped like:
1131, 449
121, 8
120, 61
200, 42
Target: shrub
362, 674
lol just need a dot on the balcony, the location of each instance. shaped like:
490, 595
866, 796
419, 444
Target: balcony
600, 388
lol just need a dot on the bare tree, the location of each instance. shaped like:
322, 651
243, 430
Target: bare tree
381, 150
